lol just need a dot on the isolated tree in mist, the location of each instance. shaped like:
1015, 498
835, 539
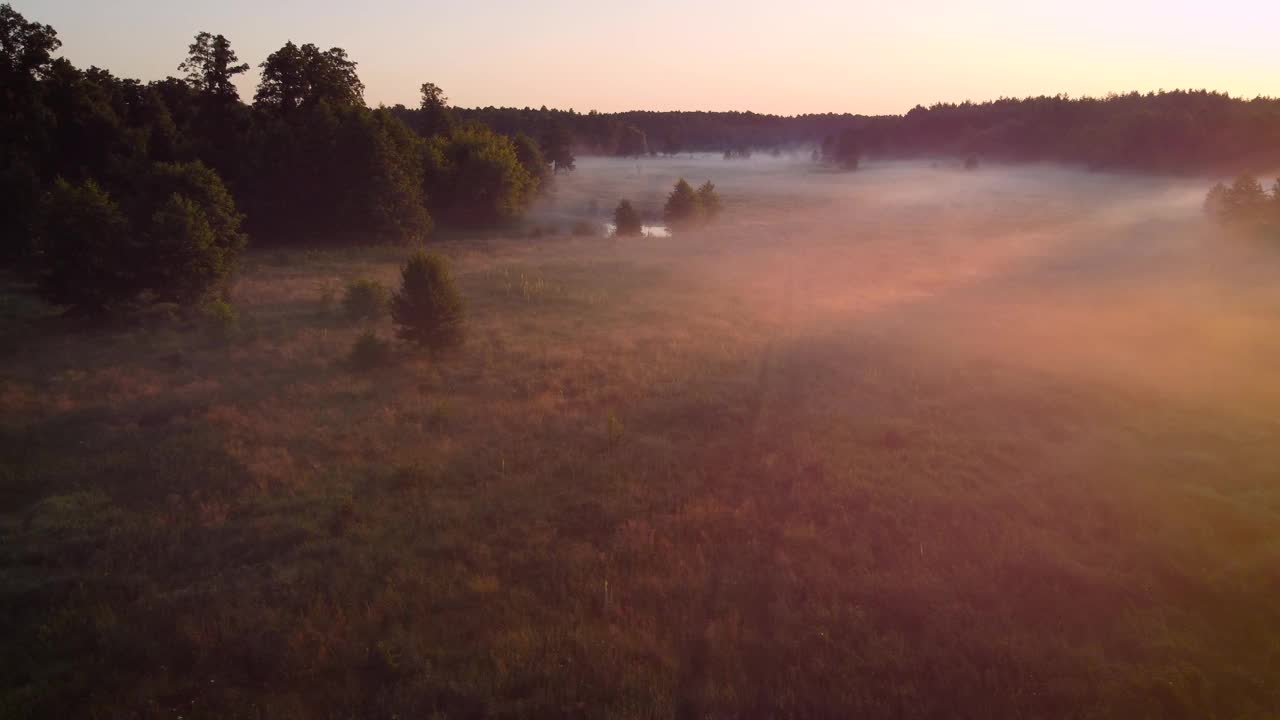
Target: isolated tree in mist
428, 309
709, 201
683, 207
626, 220
843, 150
211, 67
295, 77
1245, 204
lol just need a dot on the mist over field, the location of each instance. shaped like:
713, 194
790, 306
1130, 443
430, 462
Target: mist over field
1106, 278
312, 407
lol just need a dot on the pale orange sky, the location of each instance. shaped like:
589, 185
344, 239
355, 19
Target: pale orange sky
780, 57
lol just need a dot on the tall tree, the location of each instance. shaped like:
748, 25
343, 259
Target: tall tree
434, 116
25, 58
295, 77
211, 67
557, 146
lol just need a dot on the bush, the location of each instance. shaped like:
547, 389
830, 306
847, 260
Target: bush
582, 228
179, 240
474, 176
626, 220
365, 299
428, 308
369, 351
193, 233
222, 319
86, 251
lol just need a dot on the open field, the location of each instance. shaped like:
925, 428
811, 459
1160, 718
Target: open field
908, 443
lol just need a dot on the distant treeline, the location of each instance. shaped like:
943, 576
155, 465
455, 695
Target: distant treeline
1167, 132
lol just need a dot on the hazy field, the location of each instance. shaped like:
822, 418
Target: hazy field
909, 442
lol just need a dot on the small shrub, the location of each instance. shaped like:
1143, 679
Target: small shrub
365, 299
428, 308
222, 319
626, 220
369, 351
614, 430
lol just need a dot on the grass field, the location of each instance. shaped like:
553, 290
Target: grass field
908, 443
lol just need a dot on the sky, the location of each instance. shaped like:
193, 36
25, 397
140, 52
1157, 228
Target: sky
799, 56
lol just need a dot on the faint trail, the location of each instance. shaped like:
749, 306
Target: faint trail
770, 489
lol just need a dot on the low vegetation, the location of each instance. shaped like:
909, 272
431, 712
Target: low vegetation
428, 309
1245, 205
366, 299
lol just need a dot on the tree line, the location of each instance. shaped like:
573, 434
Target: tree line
1181, 131
105, 179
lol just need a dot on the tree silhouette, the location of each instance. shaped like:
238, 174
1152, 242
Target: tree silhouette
211, 67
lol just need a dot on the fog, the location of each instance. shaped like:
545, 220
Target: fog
1104, 279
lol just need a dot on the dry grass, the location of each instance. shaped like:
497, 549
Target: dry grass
864, 451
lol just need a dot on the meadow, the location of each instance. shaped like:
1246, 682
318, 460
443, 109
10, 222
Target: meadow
910, 442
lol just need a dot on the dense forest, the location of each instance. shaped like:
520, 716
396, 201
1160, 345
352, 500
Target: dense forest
99, 171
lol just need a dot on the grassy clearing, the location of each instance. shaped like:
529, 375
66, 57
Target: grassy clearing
694, 477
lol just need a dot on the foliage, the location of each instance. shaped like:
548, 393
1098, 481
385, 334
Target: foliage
349, 174
626, 221
557, 147
365, 299
843, 150
369, 351
179, 240
211, 67
434, 116
532, 160
222, 318
709, 201
1244, 204
428, 308
87, 251
683, 207
687, 207
299, 77
583, 228
474, 177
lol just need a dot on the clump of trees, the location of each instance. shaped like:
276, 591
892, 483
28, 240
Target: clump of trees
688, 207
176, 236
1245, 204
843, 150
